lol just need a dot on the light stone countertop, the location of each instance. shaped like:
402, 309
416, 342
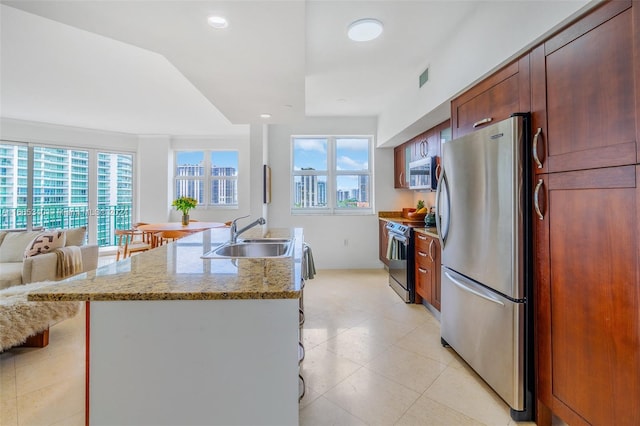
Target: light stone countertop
176, 271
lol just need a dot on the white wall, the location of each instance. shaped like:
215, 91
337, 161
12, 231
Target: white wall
153, 179
325, 233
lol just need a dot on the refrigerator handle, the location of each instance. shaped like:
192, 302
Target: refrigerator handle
462, 286
442, 233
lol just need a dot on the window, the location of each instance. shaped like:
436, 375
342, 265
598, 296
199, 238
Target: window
211, 177
59, 196
331, 174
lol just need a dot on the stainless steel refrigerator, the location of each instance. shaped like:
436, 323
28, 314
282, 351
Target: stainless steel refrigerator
484, 222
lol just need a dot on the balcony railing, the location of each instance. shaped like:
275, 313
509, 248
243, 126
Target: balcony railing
109, 218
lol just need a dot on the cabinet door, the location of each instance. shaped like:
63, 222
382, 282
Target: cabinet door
383, 237
494, 99
585, 92
400, 165
423, 268
435, 279
423, 282
587, 295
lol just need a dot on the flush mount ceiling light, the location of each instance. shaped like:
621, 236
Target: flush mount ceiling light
217, 22
364, 29
265, 115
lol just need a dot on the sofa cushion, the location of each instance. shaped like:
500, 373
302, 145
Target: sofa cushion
11, 274
75, 236
45, 242
14, 244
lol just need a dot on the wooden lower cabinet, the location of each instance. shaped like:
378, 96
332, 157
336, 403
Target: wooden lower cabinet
587, 296
427, 269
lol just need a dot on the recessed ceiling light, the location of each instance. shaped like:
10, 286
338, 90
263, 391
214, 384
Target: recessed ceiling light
217, 22
265, 115
364, 29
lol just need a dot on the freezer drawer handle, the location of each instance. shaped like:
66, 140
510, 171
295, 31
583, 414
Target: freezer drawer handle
536, 199
470, 290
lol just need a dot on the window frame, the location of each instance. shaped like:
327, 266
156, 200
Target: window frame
332, 173
207, 178
92, 183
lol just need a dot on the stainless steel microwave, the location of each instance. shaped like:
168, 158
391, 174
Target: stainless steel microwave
422, 174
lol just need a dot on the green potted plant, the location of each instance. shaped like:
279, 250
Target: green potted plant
184, 204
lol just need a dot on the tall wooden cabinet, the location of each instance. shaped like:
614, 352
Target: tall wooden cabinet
588, 339
585, 85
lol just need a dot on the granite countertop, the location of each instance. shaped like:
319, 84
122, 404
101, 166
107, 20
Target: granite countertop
417, 225
177, 272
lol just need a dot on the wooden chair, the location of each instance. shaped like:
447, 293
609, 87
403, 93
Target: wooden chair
130, 241
161, 238
147, 237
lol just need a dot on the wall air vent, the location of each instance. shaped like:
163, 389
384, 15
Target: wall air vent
424, 77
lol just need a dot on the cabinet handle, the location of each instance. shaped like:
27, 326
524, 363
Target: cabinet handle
421, 254
535, 148
483, 121
424, 271
425, 150
438, 172
430, 255
536, 201
401, 179
421, 237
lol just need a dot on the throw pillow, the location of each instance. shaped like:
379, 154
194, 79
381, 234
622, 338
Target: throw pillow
45, 242
14, 245
75, 236
2, 234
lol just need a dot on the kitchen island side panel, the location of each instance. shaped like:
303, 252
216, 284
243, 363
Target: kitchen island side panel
194, 362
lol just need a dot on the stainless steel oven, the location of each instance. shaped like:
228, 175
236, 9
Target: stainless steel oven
401, 260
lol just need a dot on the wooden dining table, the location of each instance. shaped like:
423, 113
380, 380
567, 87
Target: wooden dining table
172, 227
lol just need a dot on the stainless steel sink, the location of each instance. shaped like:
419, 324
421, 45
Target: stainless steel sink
252, 249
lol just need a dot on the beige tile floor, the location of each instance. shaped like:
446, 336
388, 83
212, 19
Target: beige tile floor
370, 359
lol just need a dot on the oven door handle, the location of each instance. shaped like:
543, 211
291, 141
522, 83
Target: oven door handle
400, 238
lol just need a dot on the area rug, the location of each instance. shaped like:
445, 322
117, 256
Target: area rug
20, 318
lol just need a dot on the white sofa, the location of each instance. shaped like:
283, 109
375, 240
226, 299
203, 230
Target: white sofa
15, 269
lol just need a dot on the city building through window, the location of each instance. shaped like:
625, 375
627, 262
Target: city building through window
48, 186
331, 174
211, 177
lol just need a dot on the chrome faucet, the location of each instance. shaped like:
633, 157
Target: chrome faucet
234, 227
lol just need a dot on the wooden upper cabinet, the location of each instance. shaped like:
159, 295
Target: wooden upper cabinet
494, 99
428, 144
401, 159
585, 92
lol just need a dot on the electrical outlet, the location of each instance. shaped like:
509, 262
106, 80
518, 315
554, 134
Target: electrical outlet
346, 242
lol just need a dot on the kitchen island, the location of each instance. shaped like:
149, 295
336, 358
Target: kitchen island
176, 339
